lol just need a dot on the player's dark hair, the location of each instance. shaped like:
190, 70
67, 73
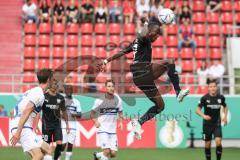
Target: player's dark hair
209, 81
109, 80
43, 75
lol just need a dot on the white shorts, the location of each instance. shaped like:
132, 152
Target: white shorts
106, 140
29, 140
70, 137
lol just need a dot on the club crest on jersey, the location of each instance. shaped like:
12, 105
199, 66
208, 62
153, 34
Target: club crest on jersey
219, 101
58, 100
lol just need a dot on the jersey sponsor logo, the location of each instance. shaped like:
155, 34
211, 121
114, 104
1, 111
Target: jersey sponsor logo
52, 106
214, 106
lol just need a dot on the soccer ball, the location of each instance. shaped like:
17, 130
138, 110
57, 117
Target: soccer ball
166, 16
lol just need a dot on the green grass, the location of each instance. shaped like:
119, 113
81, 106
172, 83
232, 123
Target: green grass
133, 154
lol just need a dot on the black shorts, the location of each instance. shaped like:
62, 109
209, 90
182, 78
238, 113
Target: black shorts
143, 78
209, 130
52, 135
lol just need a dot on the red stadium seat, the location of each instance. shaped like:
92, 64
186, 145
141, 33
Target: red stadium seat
43, 63
172, 41
29, 52
187, 78
172, 29
29, 64
43, 52
44, 28
199, 63
86, 28
129, 28
199, 17
199, 29
86, 51
215, 41
30, 40
201, 53
226, 5
58, 28
214, 29
158, 53
114, 28
58, 64
237, 6
186, 53
100, 28
172, 53
30, 28
29, 77
213, 17
116, 39
129, 38
72, 28
201, 41
58, 40
227, 17
101, 77
27, 87
86, 40
215, 53
198, 5
227, 29
115, 65
187, 66
58, 52
72, 40
202, 90
72, 52
43, 40
101, 40
101, 52
126, 66
72, 65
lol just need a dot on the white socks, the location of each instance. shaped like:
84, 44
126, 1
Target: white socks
68, 155
47, 157
101, 156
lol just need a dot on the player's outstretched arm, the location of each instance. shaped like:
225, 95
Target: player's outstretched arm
25, 115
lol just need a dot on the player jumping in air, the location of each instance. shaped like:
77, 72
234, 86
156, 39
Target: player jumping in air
25, 112
104, 114
73, 108
212, 103
144, 72
53, 105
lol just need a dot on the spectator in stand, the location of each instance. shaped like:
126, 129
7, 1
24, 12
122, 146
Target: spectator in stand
143, 9
213, 5
202, 73
155, 8
186, 12
101, 13
115, 12
72, 13
29, 12
128, 11
216, 70
173, 6
3, 113
44, 12
59, 12
87, 11
186, 37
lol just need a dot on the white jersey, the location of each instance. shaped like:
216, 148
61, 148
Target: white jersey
108, 110
73, 107
35, 96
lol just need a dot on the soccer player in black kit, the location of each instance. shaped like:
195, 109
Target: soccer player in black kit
145, 72
212, 103
53, 105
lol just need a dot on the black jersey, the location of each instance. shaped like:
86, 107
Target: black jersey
142, 50
212, 106
52, 106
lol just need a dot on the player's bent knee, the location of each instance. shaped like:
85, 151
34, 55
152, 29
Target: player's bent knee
46, 148
113, 154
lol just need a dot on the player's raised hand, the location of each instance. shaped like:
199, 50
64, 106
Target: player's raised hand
97, 124
207, 118
15, 138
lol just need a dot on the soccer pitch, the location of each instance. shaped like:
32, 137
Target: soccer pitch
133, 154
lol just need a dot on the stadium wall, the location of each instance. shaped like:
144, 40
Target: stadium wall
173, 128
